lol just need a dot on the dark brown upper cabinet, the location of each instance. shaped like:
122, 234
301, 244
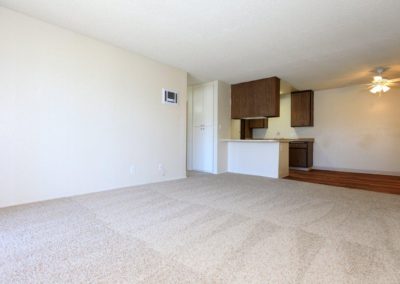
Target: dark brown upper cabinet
235, 102
258, 98
302, 108
247, 126
240, 105
258, 123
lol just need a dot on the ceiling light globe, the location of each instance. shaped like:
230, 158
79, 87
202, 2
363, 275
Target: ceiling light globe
385, 89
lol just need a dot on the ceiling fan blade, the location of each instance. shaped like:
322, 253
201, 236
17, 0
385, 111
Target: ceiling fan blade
394, 80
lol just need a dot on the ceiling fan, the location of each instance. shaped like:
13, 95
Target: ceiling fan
380, 85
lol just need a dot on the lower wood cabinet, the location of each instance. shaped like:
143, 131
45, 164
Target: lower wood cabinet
301, 154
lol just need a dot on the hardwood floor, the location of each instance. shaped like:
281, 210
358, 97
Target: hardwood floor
379, 183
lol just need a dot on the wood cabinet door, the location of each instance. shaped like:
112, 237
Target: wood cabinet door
266, 97
258, 123
259, 89
298, 157
235, 101
246, 100
301, 154
241, 100
258, 98
273, 99
302, 108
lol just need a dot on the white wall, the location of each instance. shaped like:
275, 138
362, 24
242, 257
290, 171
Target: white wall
77, 113
354, 130
224, 125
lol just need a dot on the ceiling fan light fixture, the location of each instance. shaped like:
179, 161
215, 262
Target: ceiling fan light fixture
379, 84
385, 88
376, 89
379, 89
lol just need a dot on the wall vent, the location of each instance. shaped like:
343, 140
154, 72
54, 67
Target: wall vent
169, 97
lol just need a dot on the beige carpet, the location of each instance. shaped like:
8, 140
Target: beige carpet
205, 229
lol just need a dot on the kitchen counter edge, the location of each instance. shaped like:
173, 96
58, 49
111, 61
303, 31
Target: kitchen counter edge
271, 140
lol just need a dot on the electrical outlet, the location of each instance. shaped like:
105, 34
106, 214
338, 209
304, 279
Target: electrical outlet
132, 170
161, 169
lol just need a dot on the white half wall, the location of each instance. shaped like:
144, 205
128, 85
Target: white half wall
268, 159
354, 130
78, 115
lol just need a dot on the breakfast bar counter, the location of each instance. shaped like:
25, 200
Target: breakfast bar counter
264, 157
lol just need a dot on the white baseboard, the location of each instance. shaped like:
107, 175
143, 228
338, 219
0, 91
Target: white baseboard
63, 196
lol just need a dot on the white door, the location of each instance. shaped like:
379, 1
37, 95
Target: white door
208, 105
202, 128
198, 106
203, 148
208, 146
203, 105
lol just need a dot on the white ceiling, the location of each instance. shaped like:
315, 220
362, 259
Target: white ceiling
310, 43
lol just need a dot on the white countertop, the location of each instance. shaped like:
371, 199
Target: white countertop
253, 140
271, 140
